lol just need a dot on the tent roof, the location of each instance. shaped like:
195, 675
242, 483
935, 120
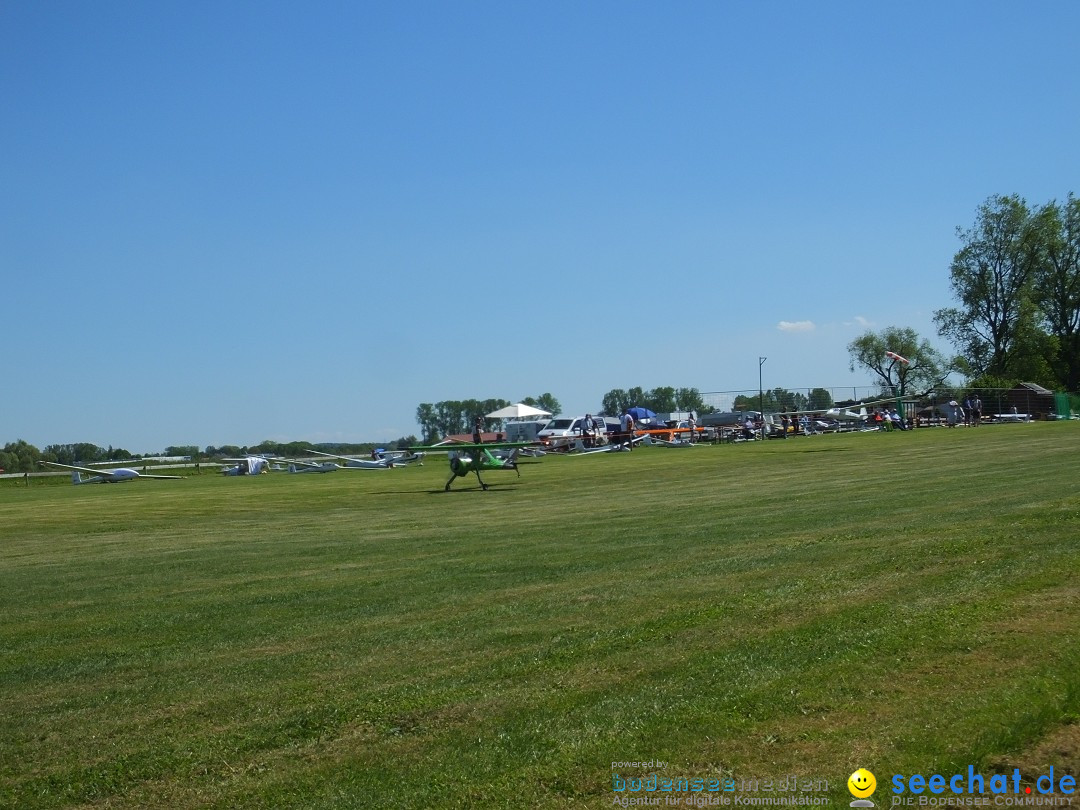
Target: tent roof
517, 411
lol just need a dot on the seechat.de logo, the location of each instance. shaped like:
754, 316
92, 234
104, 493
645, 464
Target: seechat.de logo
1001, 786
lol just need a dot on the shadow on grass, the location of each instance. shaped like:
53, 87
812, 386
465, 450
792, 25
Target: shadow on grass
440, 491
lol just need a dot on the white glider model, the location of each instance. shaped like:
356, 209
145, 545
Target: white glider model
116, 476
296, 466
384, 462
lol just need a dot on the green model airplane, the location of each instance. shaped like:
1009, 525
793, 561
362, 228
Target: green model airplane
472, 458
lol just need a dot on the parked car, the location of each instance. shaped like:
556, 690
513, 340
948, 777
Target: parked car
561, 431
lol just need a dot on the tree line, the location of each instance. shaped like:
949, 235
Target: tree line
1016, 317
21, 456
663, 399
780, 399
456, 417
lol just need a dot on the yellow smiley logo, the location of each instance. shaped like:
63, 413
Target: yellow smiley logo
861, 783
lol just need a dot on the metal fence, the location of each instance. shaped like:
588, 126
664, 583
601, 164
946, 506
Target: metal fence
1035, 402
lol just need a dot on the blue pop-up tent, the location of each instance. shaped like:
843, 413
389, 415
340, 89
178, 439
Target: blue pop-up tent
641, 414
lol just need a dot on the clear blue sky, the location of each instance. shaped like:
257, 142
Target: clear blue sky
224, 222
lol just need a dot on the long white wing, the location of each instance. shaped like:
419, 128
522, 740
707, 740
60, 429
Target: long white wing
73, 467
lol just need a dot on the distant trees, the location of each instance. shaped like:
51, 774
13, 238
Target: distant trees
451, 416
78, 453
441, 419
181, 450
780, 399
663, 399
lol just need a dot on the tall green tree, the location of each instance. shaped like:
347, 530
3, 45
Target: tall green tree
661, 400
545, 402
78, 453
19, 456
926, 370
453, 416
820, 399
1056, 288
990, 278
689, 399
615, 402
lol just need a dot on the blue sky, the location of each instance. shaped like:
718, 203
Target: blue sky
224, 222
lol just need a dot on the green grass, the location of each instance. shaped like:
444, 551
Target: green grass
902, 602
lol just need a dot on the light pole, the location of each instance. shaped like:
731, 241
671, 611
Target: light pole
761, 395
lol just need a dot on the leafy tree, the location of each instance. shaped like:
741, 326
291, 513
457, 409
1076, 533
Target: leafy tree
545, 402
19, 456
428, 420
453, 416
991, 277
689, 399
1056, 291
777, 399
927, 368
79, 453
820, 399
615, 402
661, 399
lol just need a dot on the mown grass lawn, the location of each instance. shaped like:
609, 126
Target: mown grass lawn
907, 603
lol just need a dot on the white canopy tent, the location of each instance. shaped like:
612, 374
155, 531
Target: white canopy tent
517, 411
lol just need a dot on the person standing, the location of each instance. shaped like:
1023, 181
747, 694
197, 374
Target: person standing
628, 429
478, 431
588, 430
976, 411
692, 422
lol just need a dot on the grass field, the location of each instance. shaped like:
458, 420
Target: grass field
908, 603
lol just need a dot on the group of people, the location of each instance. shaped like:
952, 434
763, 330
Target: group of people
889, 419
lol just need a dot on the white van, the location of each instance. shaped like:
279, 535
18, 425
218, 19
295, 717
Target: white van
523, 431
561, 431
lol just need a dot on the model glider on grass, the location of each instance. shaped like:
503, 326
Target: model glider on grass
119, 475
298, 466
380, 460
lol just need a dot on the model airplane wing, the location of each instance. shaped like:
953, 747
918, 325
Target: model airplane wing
115, 474
458, 447
88, 470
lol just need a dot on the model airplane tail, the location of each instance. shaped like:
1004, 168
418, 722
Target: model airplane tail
76, 478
